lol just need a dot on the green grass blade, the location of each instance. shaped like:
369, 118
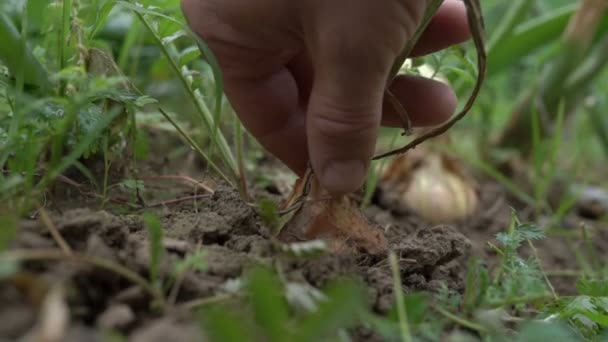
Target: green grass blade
102, 17
222, 324
343, 307
155, 232
13, 56
600, 125
406, 335
515, 15
218, 77
531, 36
128, 44
269, 305
580, 78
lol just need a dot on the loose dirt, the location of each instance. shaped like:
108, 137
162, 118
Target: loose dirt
233, 237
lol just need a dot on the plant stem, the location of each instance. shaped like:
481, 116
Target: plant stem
459, 320
197, 303
542, 271
406, 335
518, 300
63, 39
238, 141
46, 220
195, 146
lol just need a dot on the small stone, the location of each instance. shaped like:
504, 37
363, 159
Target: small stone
177, 245
133, 296
117, 316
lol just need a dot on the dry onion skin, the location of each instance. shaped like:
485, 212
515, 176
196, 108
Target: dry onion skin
336, 220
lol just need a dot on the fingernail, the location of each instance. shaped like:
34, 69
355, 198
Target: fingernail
340, 177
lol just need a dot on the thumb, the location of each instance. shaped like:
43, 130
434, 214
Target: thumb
344, 114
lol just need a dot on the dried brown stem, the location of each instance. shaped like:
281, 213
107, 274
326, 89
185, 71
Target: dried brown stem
177, 200
48, 223
182, 179
476, 24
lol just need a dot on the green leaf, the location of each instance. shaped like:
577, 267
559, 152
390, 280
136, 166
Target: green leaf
269, 212
592, 288
477, 283
89, 118
416, 306
132, 185
144, 100
195, 261
531, 36
388, 329
36, 10
576, 312
530, 231
342, 309
225, 326
78, 150
189, 54
516, 13
269, 305
172, 38
597, 318
17, 56
102, 17
541, 331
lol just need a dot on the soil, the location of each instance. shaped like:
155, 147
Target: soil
233, 238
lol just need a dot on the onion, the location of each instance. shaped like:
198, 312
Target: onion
432, 186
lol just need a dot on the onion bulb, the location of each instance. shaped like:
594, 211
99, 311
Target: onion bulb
432, 186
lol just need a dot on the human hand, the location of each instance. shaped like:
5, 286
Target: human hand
307, 78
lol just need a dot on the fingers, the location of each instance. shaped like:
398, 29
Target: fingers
269, 108
427, 102
343, 117
330, 111
448, 27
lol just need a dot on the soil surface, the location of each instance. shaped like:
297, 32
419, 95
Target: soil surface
233, 237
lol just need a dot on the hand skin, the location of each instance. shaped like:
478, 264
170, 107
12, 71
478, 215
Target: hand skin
307, 77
